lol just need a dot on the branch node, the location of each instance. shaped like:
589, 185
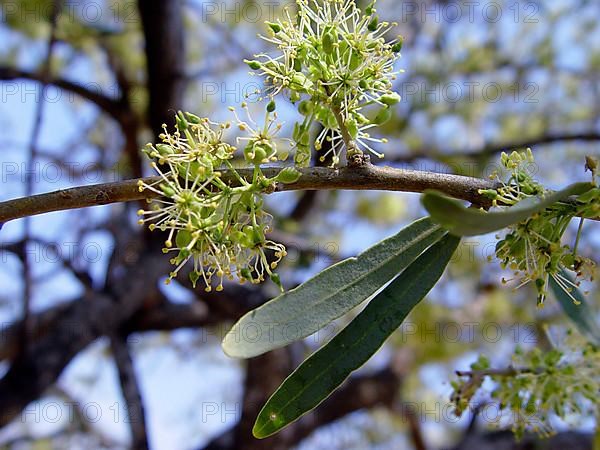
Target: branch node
358, 159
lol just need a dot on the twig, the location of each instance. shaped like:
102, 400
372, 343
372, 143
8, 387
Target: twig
507, 372
315, 178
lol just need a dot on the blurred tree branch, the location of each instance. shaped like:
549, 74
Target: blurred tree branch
110, 106
131, 391
162, 25
493, 149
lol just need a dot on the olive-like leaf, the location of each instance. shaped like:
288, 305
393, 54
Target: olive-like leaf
581, 314
324, 371
463, 221
329, 295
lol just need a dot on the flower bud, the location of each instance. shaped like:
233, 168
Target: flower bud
254, 234
397, 47
305, 108
297, 64
167, 190
373, 23
370, 9
356, 60
288, 175
181, 121
275, 279
192, 118
382, 116
361, 119
390, 99
591, 163
275, 27
254, 65
194, 276
352, 128
492, 194
271, 106
300, 83
183, 238
245, 272
164, 149
327, 42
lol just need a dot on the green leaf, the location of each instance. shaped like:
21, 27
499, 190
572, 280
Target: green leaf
327, 369
306, 309
462, 221
582, 315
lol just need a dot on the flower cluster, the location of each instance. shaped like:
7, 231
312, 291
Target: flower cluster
334, 60
520, 184
537, 386
533, 248
213, 215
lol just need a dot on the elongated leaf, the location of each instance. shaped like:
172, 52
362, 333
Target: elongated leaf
582, 315
462, 221
306, 309
327, 369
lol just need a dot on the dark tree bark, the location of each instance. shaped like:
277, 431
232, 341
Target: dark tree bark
162, 24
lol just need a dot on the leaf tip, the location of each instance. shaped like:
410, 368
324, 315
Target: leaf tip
229, 347
235, 346
267, 424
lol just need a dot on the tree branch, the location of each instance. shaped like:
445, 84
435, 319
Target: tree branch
35, 132
315, 178
493, 149
107, 104
163, 27
131, 391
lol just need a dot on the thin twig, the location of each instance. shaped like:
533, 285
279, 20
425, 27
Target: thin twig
35, 132
507, 372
